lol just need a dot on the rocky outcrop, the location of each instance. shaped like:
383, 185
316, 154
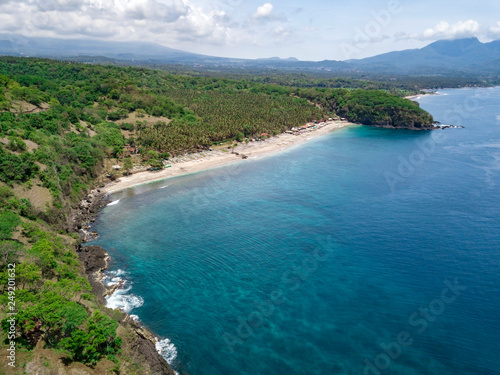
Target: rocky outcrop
94, 260
79, 220
416, 126
409, 126
145, 351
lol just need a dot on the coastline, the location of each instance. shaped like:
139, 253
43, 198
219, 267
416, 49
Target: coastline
95, 259
145, 343
417, 96
211, 160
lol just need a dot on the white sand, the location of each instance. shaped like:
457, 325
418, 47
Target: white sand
218, 158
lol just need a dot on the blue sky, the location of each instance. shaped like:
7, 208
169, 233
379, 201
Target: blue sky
312, 30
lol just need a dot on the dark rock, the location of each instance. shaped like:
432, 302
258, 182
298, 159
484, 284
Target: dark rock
87, 210
94, 259
408, 126
144, 347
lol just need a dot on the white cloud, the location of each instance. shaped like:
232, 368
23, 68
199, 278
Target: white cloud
281, 34
264, 11
494, 31
444, 30
171, 22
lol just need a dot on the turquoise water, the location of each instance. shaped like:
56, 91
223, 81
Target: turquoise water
315, 260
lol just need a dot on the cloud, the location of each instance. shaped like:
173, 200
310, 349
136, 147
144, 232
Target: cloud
264, 11
264, 14
281, 34
444, 30
400, 35
494, 31
152, 10
59, 5
172, 22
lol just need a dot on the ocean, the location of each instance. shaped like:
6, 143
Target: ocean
366, 251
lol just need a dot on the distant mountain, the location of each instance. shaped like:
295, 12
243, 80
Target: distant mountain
461, 55
146, 53
445, 57
17, 45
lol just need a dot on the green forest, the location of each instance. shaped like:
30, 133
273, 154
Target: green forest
60, 122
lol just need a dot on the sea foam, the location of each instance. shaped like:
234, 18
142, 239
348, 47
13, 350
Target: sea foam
121, 298
125, 301
166, 349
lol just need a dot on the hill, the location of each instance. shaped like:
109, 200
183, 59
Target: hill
444, 57
17, 45
467, 58
63, 126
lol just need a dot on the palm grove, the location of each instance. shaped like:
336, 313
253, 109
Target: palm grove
60, 122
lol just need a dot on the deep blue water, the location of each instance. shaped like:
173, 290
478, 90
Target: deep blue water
310, 261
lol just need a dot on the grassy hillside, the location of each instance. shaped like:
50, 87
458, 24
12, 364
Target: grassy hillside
62, 126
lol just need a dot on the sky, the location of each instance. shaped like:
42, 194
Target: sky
311, 30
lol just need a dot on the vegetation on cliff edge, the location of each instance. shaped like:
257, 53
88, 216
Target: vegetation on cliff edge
62, 124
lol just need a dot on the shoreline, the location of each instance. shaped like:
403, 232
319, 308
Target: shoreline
214, 159
95, 259
416, 96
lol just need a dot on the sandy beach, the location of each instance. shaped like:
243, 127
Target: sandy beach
418, 96
212, 159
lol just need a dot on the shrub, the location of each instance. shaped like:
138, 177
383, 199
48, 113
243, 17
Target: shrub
8, 223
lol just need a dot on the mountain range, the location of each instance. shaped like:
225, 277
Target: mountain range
467, 56
461, 55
